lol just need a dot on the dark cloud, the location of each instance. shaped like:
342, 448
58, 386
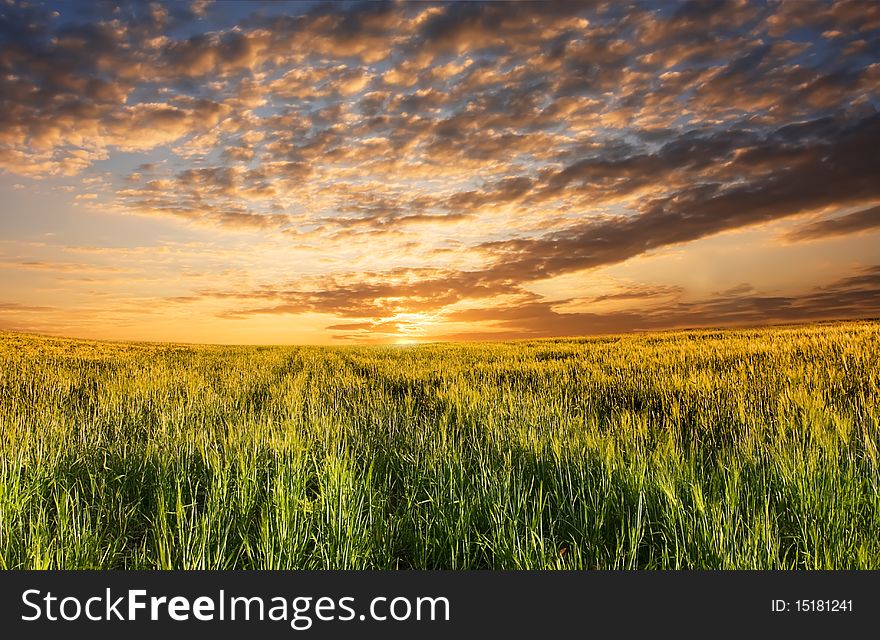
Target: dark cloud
475, 26
854, 297
863, 220
841, 169
640, 292
408, 291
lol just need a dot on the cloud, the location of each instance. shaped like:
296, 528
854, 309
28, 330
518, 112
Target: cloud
640, 292
14, 307
435, 156
383, 307
841, 169
68, 267
853, 297
369, 295
863, 220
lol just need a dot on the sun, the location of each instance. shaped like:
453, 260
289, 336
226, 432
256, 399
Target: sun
411, 327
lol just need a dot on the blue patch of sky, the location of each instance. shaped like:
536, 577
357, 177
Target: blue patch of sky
122, 163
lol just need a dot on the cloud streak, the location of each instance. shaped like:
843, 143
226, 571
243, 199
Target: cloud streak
863, 220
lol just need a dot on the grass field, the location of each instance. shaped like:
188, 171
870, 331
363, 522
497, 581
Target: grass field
733, 449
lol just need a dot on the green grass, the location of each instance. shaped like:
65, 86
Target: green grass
733, 449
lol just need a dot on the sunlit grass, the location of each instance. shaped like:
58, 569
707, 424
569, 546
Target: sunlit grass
735, 449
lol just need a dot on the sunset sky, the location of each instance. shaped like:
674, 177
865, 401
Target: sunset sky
336, 173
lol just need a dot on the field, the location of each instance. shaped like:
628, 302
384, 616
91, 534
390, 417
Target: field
699, 449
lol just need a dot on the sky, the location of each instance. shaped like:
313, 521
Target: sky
393, 173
